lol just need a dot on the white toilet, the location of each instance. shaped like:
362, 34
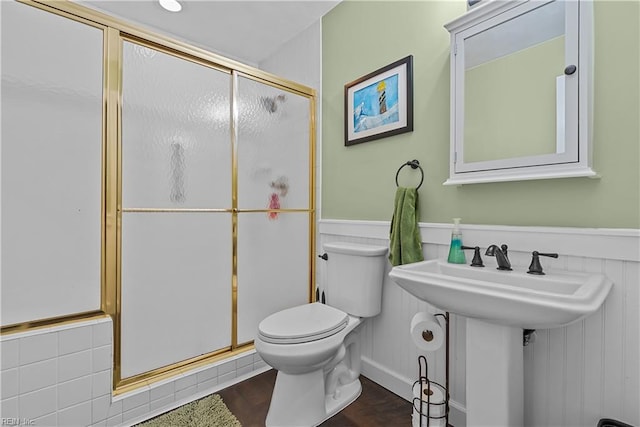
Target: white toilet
314, 347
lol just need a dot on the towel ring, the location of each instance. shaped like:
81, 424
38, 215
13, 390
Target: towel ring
414, 165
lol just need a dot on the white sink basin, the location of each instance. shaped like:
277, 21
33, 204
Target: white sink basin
510, 298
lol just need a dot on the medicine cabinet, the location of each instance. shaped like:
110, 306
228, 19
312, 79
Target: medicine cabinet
521, 91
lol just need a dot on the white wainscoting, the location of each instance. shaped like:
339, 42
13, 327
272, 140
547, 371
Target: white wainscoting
574, 375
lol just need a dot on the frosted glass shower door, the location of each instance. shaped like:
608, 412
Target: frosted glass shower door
273, 267
274, 147
176, 210
51, 164
274, 202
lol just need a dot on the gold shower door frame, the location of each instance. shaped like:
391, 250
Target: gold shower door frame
115, 32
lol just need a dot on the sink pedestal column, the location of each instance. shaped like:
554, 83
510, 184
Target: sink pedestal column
495, 375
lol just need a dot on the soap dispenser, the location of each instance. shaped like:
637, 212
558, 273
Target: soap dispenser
456, 254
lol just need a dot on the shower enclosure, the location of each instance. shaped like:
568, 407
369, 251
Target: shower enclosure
205, 196
216, 206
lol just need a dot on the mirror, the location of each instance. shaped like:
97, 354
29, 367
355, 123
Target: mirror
517, 75
511, 81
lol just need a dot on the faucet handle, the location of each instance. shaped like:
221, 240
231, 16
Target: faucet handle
535, 267
504, 248
477, 260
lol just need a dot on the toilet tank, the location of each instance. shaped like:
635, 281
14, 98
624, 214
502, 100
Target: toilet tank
355, 274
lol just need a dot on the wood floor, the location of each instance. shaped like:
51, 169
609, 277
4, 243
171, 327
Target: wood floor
376, 406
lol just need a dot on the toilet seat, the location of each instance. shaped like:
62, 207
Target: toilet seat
304, 323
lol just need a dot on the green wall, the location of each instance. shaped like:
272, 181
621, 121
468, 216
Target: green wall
358, 181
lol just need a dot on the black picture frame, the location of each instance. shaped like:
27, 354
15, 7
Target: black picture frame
379, 104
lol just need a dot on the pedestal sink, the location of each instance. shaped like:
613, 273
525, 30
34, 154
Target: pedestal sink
498, 306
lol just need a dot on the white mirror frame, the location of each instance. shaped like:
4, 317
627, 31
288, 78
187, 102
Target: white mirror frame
579, 128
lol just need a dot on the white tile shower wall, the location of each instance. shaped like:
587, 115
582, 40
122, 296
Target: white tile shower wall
62, 376
574, 375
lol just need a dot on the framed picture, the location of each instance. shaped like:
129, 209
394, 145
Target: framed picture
379, 104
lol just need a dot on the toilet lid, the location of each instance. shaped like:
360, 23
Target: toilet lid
304, 323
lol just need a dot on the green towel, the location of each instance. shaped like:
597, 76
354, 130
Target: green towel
405, 244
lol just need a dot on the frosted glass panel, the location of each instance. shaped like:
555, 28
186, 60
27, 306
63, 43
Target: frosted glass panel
176, 287
175, 132
51, 164
273, 147
273, 267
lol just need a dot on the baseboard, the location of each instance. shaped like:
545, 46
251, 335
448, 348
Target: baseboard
402, 386
388, 379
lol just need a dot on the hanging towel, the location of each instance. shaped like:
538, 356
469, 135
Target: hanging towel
405, 244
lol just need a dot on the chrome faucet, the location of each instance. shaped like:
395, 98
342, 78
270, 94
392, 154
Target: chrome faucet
501, 256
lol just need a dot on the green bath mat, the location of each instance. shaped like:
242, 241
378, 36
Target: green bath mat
209, 411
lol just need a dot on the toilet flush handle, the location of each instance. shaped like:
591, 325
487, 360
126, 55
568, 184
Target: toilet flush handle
322, 299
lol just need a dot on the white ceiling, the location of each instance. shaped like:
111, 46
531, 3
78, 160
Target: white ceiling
247, 31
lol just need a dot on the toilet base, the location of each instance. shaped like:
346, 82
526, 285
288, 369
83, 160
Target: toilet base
299, 400
347, 394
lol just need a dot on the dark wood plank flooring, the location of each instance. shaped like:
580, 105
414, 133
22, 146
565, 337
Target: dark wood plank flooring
376, 406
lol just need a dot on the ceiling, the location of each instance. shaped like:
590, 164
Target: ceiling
247, 31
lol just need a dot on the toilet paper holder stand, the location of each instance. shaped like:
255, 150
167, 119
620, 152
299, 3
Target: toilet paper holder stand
424, 408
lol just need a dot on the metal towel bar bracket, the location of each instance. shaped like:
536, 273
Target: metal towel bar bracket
415, 164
